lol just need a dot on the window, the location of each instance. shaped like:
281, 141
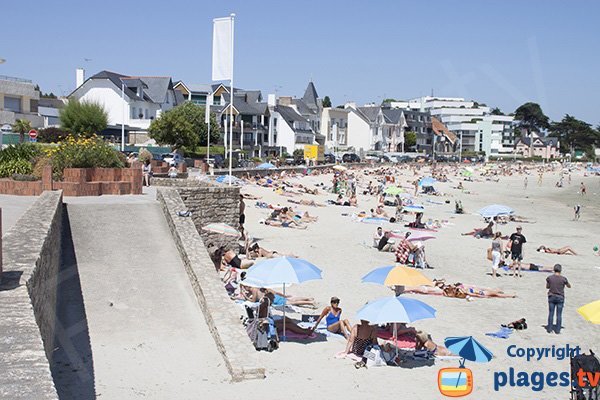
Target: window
12, 104
275, 122
132, 116
146, 114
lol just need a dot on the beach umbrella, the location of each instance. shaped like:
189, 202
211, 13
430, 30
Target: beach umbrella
393, 190
495, 210
375, 220
591, 312
420, 236
427, 181
467, 173
339, 168
468, 348
221, 228
395, 310
228, 179
283, 270
266, 165
405, 196
394, 275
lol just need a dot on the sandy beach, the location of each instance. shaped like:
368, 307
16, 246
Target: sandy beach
340, 247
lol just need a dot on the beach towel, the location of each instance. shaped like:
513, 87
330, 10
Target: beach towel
322, 328
423, 229
503, 333
402, 341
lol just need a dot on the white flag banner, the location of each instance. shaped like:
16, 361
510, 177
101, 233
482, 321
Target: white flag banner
222, 58
209, 101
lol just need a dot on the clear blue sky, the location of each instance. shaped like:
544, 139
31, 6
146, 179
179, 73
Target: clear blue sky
502, 53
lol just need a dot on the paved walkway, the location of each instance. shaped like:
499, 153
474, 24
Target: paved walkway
148, 335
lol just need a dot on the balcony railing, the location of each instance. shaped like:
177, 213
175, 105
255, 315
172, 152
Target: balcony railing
14, 79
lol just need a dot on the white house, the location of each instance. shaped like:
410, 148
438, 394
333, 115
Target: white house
130, 100
360, 130
289, 130
474, 124
334, 126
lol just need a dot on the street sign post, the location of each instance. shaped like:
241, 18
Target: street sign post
33, 135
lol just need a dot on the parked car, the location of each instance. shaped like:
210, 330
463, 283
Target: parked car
217, 161
350, 157
157, 156
173, 158
329, 158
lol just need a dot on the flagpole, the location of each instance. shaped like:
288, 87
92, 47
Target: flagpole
207, 120
231, 102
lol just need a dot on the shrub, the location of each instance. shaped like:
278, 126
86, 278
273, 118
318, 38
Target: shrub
24, 178
15, 166
51, 135
83, 153
22, 151
86, 118
38, 167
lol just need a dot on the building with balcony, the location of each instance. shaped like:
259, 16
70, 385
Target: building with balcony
536, 145
334, 126
19, 100
134, 101
198, 93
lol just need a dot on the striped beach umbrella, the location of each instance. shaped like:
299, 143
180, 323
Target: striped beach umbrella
221, 228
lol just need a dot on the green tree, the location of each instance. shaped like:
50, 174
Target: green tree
410, 139
326, 101
388, 100
574, 134
531, 118
83, 117
184, 126
22, 126
496, 111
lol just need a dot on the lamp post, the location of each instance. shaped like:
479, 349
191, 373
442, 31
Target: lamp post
123, 120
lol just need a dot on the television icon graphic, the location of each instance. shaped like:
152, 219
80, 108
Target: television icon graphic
455, 382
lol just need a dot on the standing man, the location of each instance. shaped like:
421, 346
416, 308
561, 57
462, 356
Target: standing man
515, 243
242, 216
525, 183
577, 212
555, 284
582, 189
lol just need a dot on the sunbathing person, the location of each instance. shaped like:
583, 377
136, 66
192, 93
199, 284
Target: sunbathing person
566, 250
228, 257
424, 342
335, 324
255, 251
288, 224
279, 299
458, 290
264, 311
361, 336
305, 202
486, 232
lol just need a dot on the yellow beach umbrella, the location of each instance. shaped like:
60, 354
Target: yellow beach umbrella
591, 312
397, 275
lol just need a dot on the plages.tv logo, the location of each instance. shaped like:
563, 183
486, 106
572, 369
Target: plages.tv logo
455, 382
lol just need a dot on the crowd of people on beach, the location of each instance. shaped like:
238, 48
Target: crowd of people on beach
403, 243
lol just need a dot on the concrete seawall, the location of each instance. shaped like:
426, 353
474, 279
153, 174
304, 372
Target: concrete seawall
223, 322
28, 294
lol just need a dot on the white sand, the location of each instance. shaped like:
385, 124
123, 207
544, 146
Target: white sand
334, 243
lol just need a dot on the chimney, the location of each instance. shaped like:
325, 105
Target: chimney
285, 100
79, 77
271, 100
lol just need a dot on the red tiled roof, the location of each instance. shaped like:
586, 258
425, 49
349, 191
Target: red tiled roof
440, 129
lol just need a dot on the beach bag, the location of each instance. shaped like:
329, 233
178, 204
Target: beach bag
373, 357
489, 254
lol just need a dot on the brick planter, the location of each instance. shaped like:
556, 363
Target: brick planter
80, 182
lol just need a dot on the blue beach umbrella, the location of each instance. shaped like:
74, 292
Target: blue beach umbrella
266, 165
427, 181
283, 270
227, 179
395, 309
375, 220
495, 210
468, 348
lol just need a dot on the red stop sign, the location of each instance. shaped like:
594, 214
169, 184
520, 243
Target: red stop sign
33, 134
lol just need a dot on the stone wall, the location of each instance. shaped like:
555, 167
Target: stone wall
219, 311
213, 202
28, 300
